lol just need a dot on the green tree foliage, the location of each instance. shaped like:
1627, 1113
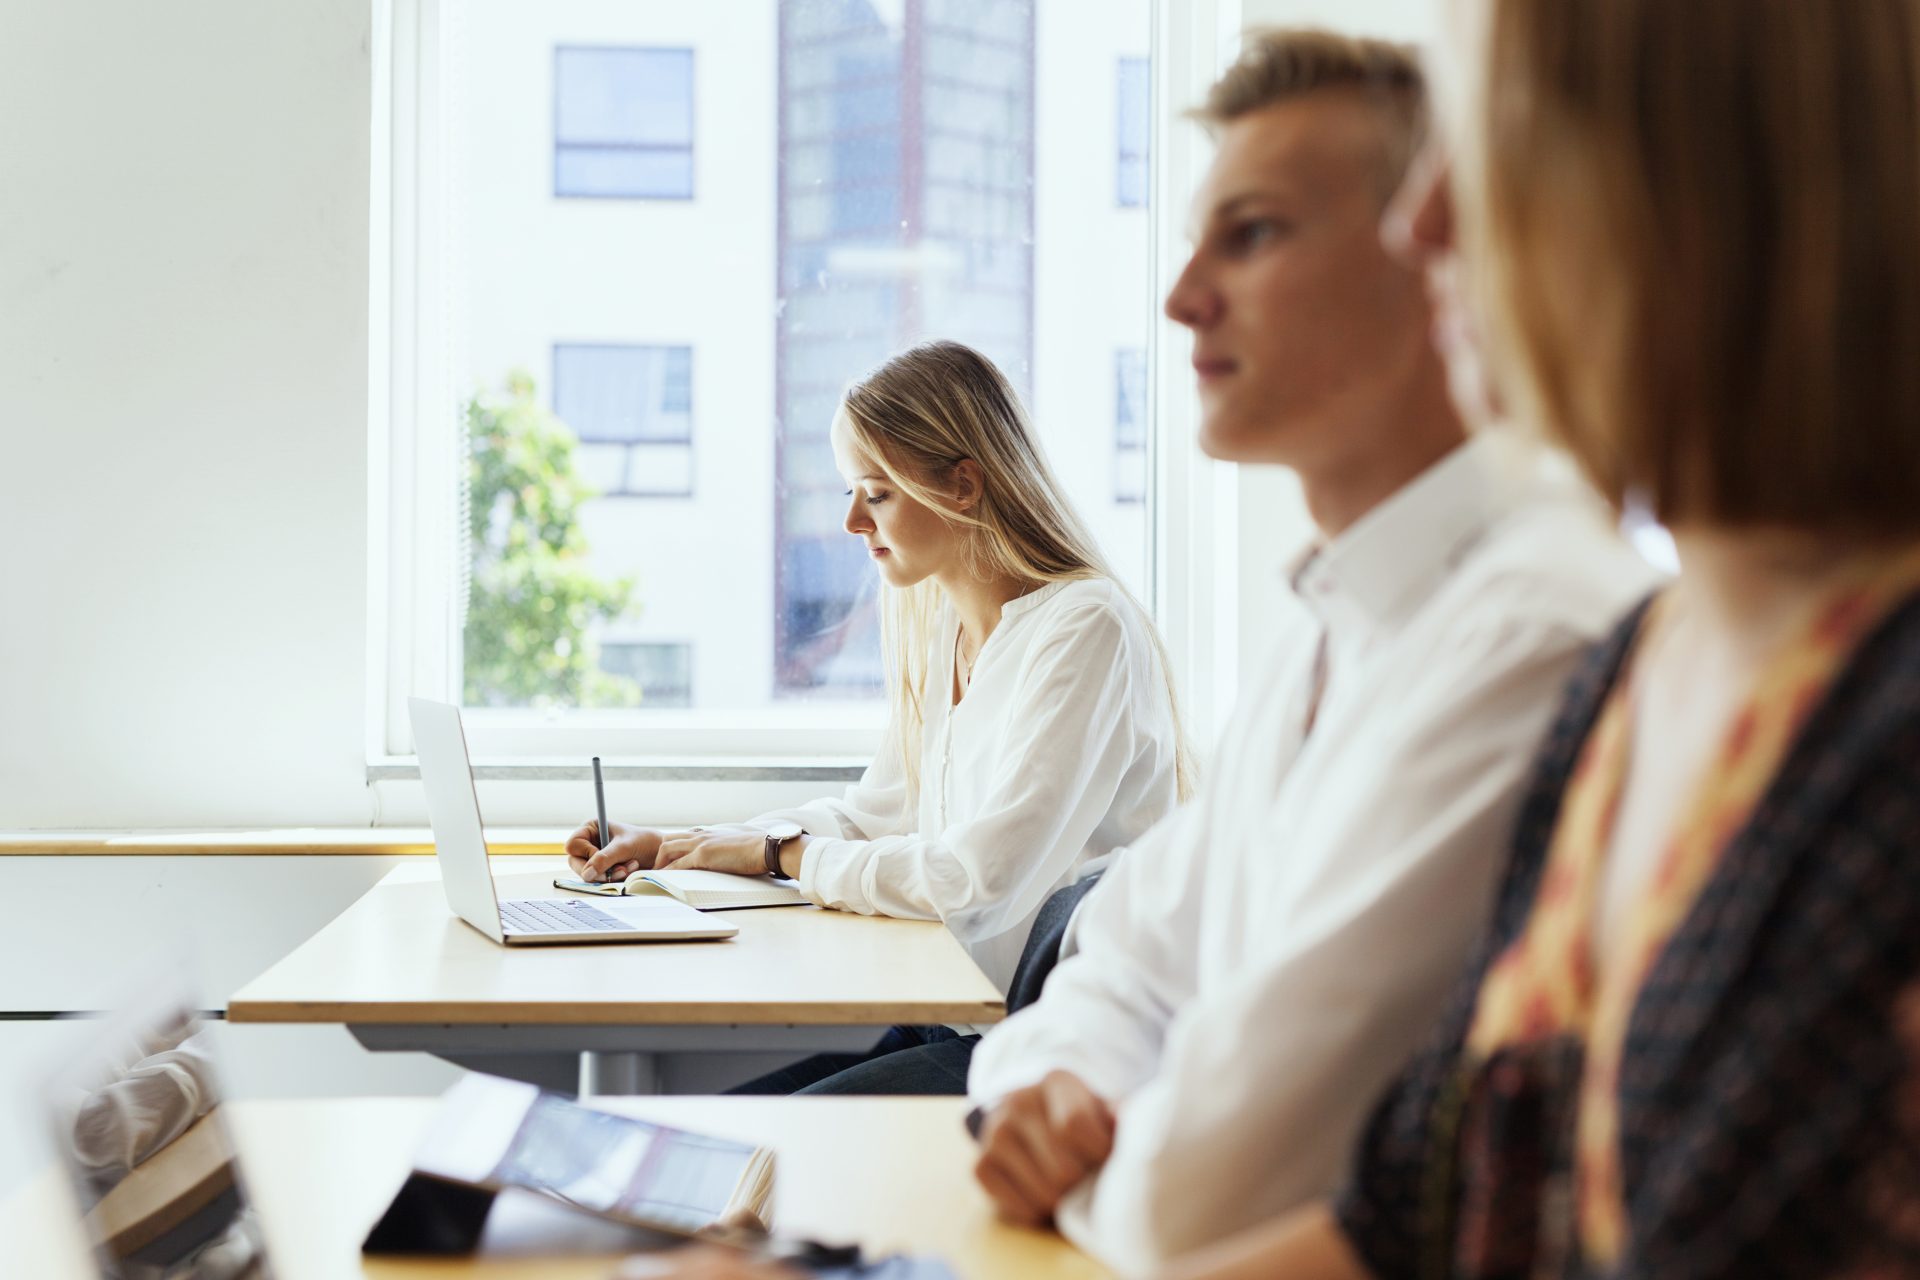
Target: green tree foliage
533, 602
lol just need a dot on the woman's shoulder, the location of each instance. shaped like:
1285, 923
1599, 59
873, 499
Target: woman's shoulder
1088, 603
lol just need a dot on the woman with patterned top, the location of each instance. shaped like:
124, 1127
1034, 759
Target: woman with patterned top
1685, 235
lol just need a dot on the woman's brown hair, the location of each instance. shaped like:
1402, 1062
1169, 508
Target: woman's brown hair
1700, 225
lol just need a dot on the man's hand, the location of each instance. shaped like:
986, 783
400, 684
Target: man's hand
1039, 1143
631, 849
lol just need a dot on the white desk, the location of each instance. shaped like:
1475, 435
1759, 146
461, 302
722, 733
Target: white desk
892, 1174
402, 973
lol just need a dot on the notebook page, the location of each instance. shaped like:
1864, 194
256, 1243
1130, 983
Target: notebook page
718, 891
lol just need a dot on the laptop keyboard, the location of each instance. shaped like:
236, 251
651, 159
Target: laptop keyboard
553, 915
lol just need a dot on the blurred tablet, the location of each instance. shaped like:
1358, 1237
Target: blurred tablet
501, 1134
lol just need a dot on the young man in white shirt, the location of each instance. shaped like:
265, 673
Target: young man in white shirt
1254, 970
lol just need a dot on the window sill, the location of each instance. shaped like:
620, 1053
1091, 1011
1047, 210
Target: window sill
362, 841
819, 770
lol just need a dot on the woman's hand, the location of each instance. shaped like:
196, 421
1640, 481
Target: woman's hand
631, 849
737, 850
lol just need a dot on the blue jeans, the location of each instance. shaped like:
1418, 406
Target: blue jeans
907, 1060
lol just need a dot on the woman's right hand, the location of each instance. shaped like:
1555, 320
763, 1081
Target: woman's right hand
631, 849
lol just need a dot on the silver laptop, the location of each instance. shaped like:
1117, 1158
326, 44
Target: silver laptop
454, 810
134, 1108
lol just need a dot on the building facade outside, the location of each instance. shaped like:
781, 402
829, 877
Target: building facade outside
694, 224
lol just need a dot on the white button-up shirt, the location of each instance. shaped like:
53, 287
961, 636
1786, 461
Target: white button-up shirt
1062, 751
1248, 978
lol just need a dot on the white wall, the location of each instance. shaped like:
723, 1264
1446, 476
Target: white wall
183, 365
183, 343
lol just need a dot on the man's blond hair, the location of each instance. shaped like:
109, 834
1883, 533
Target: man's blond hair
1279, 64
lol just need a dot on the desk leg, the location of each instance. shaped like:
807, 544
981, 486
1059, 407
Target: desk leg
612, 1074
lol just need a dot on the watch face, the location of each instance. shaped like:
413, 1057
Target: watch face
784, 830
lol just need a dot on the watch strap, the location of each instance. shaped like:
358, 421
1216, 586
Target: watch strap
773, 855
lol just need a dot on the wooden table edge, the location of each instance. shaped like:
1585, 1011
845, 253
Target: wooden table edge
544, 1014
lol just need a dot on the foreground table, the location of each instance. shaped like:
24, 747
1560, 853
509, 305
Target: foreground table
402, 973
889, 1173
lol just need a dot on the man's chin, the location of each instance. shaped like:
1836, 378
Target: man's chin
1228, 437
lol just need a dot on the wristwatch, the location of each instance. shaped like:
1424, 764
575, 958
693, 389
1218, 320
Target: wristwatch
778, 834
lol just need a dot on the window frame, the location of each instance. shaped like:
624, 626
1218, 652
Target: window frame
685, 647
693, 126
1122, 190
1137, 406
630, 446
415, 435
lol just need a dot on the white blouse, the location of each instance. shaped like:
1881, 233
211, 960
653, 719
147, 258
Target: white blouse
1061, 752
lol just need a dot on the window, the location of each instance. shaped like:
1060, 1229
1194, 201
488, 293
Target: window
632, 408
887, 181
1133, 128
899, 225
1130, 425
623, 123
664, 672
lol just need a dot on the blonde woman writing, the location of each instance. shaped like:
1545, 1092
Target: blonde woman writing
1033, 726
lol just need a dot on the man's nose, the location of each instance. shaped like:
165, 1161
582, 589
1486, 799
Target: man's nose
1193, 301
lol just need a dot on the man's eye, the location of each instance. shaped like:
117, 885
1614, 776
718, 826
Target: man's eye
1255, 232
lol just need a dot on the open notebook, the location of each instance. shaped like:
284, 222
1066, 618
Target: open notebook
706, 890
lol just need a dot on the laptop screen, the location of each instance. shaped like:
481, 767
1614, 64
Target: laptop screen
459, 841
136, 1125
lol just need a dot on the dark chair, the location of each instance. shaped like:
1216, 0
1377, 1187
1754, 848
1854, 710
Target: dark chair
941, 1067
1042, 951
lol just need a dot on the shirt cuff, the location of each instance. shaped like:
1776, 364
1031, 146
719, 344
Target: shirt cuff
805, 819
823, 873
989, 1088
1075, 1218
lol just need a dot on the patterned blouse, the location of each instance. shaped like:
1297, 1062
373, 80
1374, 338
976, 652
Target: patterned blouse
1735, 1090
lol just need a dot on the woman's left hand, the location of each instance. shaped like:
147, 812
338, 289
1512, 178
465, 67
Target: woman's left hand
740, 851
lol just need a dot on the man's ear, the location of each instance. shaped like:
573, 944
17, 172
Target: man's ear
968, 484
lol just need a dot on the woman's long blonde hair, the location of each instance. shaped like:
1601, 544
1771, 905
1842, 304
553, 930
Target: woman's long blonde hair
917, 417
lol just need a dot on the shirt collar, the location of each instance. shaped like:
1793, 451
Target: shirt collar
1381, 568
1033, 599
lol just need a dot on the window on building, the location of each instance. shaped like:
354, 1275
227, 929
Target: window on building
1130, 425
1133, 128
632, 407
664, 672
623, 122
